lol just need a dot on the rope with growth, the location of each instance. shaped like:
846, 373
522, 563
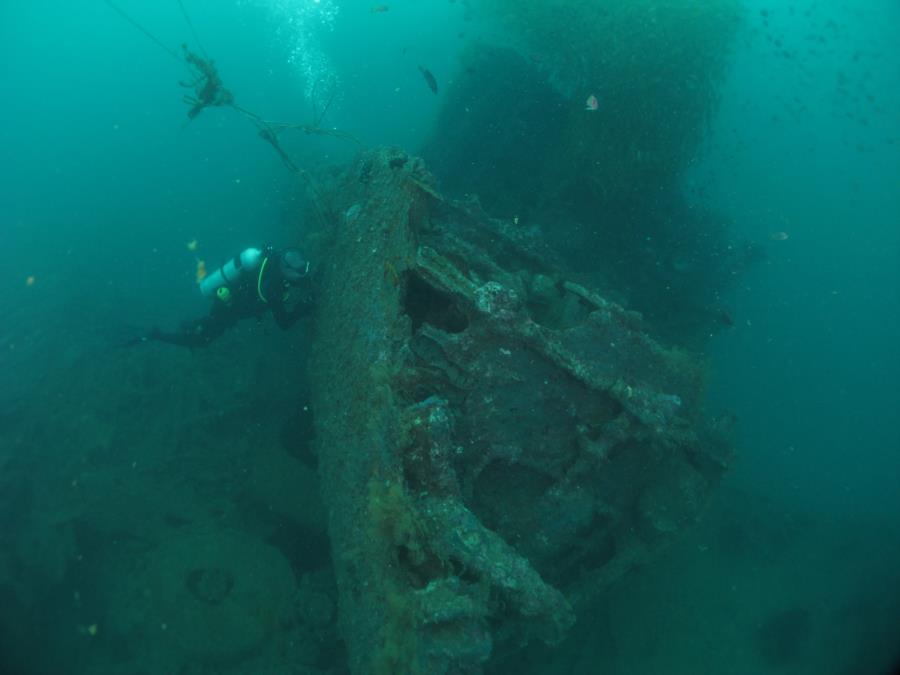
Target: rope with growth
209, 91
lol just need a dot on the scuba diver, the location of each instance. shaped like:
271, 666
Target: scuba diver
248, 285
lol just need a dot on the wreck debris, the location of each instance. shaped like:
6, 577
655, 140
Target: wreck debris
497, 443
209, 587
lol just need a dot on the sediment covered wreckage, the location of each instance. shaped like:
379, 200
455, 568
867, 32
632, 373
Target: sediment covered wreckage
497, 443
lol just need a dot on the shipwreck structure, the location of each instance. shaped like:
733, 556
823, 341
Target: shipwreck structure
497, 443
484, 435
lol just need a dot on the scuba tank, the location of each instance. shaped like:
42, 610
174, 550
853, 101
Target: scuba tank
232, 272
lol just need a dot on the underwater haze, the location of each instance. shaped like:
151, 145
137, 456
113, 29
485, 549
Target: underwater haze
745, 201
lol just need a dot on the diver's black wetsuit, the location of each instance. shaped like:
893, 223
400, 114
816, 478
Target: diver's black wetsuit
252, 297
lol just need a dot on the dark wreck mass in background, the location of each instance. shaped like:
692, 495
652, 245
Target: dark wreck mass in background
605, 186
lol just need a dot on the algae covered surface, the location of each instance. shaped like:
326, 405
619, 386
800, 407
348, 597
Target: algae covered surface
598, 366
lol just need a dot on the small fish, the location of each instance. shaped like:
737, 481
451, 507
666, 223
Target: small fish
779, 236
29, 280
592, 103
192, 245
725, 318
429, 78
380, 9
201, 271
